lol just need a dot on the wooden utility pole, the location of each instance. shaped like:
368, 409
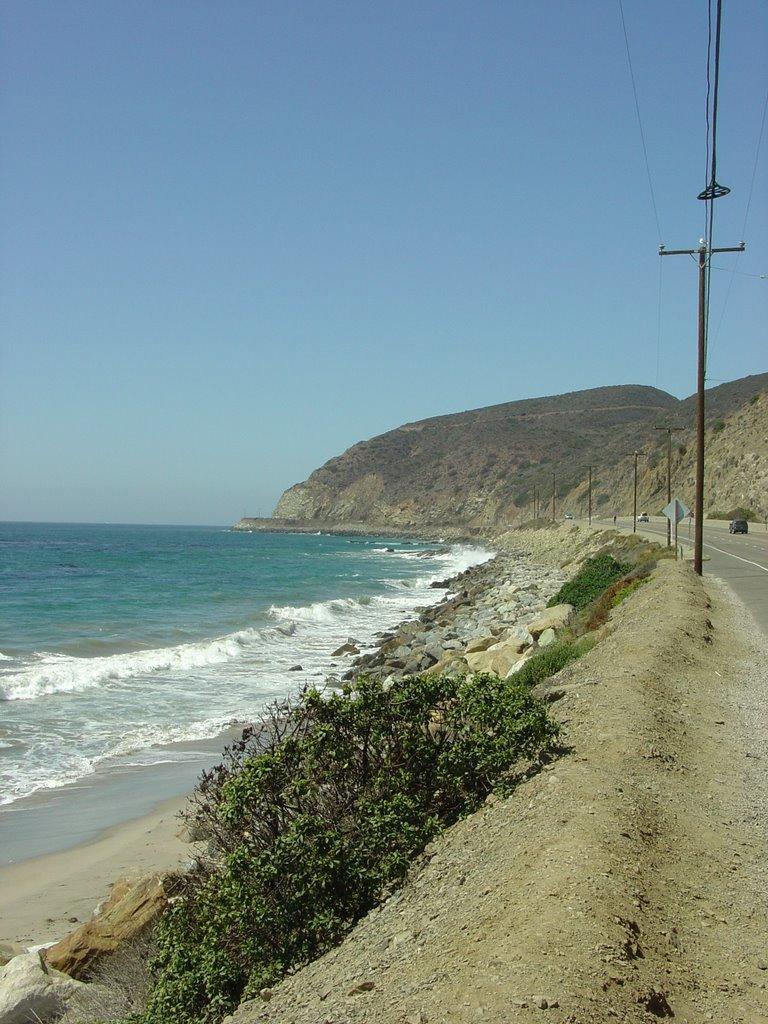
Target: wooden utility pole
669, 431
636, 456
553, 496
704, 256
589, 500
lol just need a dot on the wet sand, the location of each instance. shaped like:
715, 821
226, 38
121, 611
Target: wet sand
61, 850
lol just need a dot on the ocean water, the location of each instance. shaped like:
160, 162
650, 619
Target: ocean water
118, 643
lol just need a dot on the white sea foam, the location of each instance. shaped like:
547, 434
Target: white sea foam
58, 673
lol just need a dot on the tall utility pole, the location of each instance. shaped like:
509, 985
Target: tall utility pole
669, 431
535, 509
589, 500
553, 496
704, 256
636, 456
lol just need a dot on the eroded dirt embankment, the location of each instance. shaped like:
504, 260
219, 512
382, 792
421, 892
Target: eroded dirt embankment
625, 882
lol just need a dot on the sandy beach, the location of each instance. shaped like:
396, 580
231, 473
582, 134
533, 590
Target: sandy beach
39, 898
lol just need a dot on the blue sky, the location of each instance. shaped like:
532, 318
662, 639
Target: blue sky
240, 237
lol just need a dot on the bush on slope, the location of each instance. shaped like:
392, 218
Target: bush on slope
315, 819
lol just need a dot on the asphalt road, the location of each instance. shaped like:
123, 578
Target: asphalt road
741, 560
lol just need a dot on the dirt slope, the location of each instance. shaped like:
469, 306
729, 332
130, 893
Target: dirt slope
626, 882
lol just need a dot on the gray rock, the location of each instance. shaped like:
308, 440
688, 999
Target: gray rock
30, 991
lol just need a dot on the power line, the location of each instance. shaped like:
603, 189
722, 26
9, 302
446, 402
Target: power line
640, 122
713, 190
741, 273
754, 168
735, 269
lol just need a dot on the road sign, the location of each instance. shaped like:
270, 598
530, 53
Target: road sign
675, 511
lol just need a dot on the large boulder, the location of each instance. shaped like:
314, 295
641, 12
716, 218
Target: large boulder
481, 643
32, 991
130, 909
556, 617
499, 657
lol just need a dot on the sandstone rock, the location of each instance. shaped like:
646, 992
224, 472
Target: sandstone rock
31, 991
481, 644
555, 618
547, 637
130, 908
451, 663
347, 648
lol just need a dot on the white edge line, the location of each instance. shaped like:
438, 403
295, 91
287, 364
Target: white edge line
730, 554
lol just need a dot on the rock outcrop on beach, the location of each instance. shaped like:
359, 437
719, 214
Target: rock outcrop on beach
132, 907
479, 468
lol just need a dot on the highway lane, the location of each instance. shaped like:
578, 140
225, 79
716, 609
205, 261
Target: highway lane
741, 560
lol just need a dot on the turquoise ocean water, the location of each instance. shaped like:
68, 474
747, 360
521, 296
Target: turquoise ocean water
119, 643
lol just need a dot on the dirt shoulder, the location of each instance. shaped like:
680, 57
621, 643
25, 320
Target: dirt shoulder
625, 882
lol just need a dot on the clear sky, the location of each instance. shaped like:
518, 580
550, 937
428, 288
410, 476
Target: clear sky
241, 236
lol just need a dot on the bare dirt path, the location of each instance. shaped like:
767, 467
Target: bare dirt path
627, 882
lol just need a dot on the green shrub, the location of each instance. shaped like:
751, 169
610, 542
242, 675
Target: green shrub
590, 581
736, 513
314, 818
624, 591
717, 426
551, 659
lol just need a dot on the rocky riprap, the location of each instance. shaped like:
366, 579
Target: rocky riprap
493, 609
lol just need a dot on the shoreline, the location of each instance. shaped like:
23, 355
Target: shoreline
63, 849
43, 895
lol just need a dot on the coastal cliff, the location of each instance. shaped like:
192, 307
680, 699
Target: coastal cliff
479, 468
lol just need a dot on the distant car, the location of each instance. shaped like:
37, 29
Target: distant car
738, 526
567, 516
643, 518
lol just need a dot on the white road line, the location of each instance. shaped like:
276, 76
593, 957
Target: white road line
707, 544
731, 555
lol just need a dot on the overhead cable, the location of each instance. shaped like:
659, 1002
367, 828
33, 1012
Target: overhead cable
640, 122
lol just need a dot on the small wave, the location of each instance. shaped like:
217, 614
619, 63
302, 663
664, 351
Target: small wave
5, 657
138, 748
60, 673
322, 611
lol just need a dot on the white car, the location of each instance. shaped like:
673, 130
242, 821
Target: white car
567, 516
643, 518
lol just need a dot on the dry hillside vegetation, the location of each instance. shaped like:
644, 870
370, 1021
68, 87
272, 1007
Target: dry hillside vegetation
626, 882
479, 468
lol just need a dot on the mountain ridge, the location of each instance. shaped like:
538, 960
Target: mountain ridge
480, 466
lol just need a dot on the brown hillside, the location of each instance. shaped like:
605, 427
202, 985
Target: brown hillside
480, 467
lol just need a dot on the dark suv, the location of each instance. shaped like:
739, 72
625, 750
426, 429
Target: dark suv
738, 526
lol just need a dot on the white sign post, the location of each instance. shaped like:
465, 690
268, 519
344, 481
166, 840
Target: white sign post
675, 511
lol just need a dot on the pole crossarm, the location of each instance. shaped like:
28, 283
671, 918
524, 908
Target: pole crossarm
692, 252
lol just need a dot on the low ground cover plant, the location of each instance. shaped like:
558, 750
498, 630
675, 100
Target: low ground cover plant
315, 817
551, 659
596, 574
